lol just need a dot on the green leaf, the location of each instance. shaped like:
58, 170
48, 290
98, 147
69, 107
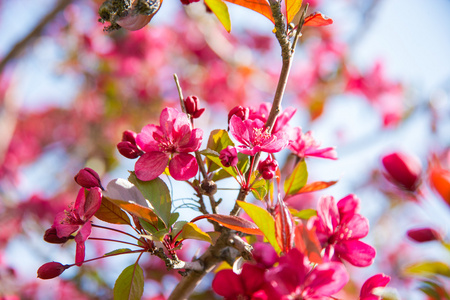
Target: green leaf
297, 179
157, 193
157, 236
191, 231
130, 284
429, 269
217, 141
259, 189
117, 251
173, 218
220, 9
177, 227
304, 214
263, 220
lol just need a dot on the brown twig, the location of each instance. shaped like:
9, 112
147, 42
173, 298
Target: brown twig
20, 46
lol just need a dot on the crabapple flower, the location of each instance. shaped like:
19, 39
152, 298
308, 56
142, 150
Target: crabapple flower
376, 281
255, 138
295, 278
228, 157
281, 122
404, 170
78, 219
239, 111
268, 167
169, 143
304, 145
250, 284
339, 229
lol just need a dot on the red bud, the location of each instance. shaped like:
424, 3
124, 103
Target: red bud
422, 235
403, 170
50, 236
51, 270
88, 178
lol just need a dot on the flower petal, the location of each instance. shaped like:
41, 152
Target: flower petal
93, 202
150, 165
378, 280
63, 228
183, 166
228, 284
253, 278
328, 213
146, 141
358, 225
326, 279
80, 238
356, 252
239, 130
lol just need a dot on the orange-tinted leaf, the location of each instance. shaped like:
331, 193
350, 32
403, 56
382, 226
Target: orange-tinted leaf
292, 8
232, 222
111, 213
260, 6
284, 227
138, 210
316, 186
306, 241
317, 19
440, 182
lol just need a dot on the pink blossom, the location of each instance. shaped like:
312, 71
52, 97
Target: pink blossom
255, 138
250, 284
295, 278
339, 229
169, 143
128, 147
379, 280
228, 157
304, 145
78, 218
281, 123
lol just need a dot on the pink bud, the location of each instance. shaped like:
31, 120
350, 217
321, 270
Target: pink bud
88, 178
128, 147
186, 2
51, 270
228, 157
268, 168
50, 236
403, 170
192, 104
422, 235
239, 111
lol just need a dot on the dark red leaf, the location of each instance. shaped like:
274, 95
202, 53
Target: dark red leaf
284, 227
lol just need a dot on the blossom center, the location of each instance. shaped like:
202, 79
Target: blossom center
261, 135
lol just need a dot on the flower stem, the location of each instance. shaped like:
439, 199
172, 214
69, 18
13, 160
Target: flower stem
116, 230
117, 241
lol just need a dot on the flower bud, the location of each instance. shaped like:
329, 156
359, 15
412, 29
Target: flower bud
422, 235
239, 111
403, 170
50, 236
209, 187
88, 178
267, 168
228, 157
51, 270
128, 147
192, 104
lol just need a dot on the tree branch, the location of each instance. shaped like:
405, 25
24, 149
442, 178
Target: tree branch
20, 46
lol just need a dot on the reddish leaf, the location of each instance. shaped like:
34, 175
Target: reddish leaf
284, 227
440, 181
260, 6
232, 222
292, 8
138, 210
111, 213
316, 186
306, 241
317, 19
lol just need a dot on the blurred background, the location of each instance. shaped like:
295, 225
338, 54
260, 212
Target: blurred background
374, 82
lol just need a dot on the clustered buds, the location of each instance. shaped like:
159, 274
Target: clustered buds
239, 111
192, 104
403, 170
128, 147
88, 178
267, 168
51, 270
228, 157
